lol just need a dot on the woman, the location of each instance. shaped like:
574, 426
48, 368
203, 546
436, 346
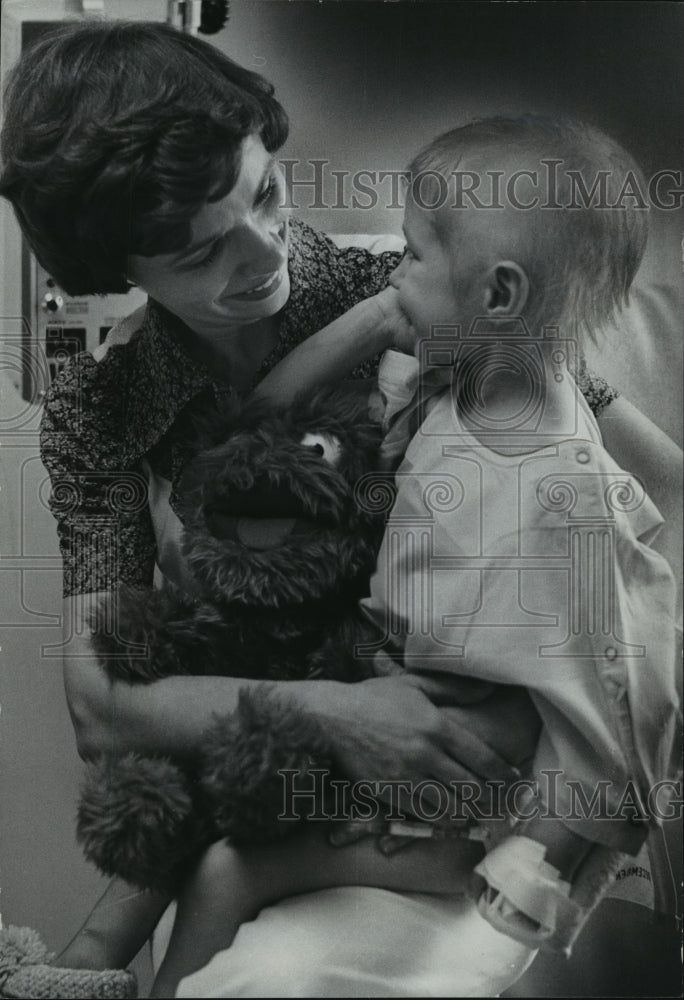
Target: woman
135, 154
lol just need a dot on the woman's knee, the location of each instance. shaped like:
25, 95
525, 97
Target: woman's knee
263, 964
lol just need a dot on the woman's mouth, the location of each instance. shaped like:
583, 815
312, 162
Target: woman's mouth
262, 288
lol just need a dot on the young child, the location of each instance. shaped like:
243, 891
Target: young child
501, 562
517, 551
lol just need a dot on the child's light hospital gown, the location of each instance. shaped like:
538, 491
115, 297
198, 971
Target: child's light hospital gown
531, 566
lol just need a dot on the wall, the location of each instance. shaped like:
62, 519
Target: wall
366, 84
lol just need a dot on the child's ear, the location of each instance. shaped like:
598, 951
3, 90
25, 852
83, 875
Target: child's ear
507, 289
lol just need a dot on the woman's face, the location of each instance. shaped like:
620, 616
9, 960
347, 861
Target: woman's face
234, 269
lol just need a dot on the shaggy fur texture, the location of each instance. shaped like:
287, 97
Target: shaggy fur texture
141, 809
281, 549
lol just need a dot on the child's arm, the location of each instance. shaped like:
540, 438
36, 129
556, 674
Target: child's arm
231, 885
366, 330
565, 850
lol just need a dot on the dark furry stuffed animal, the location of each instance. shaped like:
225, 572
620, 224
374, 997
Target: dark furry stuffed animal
281, 547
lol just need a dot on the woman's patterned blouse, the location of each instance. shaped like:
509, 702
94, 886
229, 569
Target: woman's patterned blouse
102, 418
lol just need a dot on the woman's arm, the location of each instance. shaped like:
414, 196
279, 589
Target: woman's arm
381, 729
641, 448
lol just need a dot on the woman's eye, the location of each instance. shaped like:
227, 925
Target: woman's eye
267, 193
211, 256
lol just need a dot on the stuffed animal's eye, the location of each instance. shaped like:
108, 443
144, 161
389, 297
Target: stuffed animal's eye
325, 445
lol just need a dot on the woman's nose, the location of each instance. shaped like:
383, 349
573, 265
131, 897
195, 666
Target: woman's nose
262, 245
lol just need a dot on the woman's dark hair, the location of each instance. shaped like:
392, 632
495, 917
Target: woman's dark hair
115, 134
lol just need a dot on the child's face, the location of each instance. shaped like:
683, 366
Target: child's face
436, 279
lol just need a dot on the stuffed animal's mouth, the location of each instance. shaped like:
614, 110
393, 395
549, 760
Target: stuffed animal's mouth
261, 532
266, 515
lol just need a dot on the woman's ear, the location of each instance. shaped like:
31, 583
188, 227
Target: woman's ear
507, 289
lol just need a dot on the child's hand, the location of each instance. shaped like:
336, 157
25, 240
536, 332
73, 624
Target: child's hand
400, 332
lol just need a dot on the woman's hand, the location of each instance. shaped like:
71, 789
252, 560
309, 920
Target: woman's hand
390, 729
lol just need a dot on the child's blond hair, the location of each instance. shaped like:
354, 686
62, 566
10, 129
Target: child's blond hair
584, 248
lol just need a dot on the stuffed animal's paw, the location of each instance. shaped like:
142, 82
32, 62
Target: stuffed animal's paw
136, 819
247, 751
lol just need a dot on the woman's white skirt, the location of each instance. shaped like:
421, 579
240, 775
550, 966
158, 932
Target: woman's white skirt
360, 942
